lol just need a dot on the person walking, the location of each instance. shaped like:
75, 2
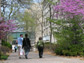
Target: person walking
19, 41
26, 45
40, 46
15, 48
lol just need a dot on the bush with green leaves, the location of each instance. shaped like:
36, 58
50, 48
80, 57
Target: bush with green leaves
50, 46
70, 37
72, 50
3, 56
7, 44
3, 51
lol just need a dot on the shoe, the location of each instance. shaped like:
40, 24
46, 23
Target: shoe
19, 57
40, 57
26, 57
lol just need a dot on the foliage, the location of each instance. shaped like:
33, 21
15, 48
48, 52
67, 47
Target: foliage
72, 50
4, 49
6, 27
69, 27
69, 8
69, 37
7, 44
29, 24
14, 6
50, 46
4, 57
50, 1
10, 38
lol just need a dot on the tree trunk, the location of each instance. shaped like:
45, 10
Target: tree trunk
50, 24
42, 23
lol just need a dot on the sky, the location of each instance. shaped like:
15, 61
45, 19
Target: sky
37, 1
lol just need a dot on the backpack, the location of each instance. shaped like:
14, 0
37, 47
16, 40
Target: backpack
40, 43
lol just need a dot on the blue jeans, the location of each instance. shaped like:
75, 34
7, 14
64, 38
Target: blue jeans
27, 50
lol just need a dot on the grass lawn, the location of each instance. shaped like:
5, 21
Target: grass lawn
4, 57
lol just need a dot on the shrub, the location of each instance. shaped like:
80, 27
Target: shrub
50, 46
4, 57
72, 50
4, 49
47, 42
69, 36
7, 44
0, 54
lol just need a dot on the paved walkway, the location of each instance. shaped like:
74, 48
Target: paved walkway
33, 58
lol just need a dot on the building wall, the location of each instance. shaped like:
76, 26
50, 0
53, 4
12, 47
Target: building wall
15, 35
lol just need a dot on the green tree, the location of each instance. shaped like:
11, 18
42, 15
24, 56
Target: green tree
26, 21
29, 21
69, 36
11, 7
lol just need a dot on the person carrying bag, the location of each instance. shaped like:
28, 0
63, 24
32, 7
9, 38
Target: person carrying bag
20, 50
26, 45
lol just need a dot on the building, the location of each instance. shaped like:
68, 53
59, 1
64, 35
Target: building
15, 35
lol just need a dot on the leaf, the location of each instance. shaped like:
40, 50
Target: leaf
51, 2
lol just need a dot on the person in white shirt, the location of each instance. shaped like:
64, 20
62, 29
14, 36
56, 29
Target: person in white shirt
20, 40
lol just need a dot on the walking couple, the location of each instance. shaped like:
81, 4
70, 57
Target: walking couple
23, 43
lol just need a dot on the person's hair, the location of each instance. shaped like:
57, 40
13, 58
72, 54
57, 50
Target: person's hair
40, 38
26, 35
21, 34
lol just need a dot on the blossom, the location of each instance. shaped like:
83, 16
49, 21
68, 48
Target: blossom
69, 8
6, 27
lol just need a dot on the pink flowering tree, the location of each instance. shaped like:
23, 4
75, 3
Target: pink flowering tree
69, 19
69, 15
6, 27
69, 8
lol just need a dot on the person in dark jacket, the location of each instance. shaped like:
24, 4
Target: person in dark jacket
40, 46
26, 45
